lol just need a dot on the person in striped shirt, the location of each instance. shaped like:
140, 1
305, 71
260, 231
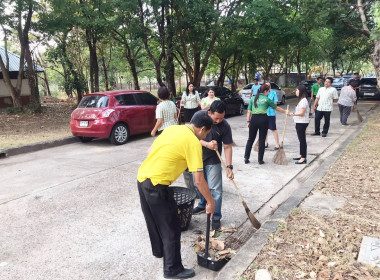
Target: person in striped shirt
166, 111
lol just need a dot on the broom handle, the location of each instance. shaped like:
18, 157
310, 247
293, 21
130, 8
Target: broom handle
286, 118
225, 169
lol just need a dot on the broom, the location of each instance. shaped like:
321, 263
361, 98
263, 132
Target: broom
280, 157
360, 118
251, 217
256, 147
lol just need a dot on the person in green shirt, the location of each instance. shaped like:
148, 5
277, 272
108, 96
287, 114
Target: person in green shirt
257, 120
314, 92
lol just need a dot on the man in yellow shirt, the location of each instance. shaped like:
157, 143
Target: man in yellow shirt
176, 149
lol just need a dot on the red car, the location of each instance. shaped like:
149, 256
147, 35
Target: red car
115, 115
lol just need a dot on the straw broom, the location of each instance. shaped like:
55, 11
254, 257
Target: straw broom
280, 156
360, 118
251, 217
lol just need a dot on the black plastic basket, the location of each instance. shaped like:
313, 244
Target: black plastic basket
185, 201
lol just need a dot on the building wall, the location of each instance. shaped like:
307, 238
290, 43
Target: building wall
5, 96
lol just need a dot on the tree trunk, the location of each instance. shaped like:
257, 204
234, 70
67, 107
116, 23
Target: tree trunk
32, 79
105, 73
132, 65
376, 60
222, 75
94, 66
246, 73
298, 66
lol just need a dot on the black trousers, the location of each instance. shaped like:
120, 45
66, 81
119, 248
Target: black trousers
164, 226
318, 117
257, 123
189, 113
301, 133
344, 111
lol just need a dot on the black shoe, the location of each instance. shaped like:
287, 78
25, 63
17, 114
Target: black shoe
296, 158
315, 134
216, 224
186, 273
246, 161
261, 162
197, 210
324, 134
276, 148
301, 162
158, 256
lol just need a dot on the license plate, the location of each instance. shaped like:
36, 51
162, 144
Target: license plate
83, 123
369, 94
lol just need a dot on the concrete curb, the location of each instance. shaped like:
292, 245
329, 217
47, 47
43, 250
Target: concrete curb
37, 147
245, 256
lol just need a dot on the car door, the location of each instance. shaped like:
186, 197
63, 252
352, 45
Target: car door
130, 112
148, 103
232, 101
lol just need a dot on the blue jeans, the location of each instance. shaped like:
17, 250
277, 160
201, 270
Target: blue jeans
213, 176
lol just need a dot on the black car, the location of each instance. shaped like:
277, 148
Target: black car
234, 103
308, 84
368, 88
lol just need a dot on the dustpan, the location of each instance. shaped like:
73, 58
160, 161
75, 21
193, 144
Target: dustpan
205, 260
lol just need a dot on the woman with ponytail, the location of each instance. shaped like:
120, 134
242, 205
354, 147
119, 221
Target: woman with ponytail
301, 118
257, 120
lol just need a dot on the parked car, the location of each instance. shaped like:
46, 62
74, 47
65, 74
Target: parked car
338, 83
371, 75
308, 84
347, 78
114, 115
234, 103
246, 92
369, 88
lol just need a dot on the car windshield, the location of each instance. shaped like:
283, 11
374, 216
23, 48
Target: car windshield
369, 82
94, 101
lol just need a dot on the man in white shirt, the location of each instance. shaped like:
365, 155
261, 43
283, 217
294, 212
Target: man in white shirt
323, 106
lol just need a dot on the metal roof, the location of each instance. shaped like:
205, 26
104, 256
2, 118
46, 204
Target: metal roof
14, 61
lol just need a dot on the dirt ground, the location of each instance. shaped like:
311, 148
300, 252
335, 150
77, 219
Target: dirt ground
23, 129
312, 246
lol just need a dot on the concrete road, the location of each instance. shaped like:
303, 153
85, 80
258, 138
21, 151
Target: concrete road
73, 212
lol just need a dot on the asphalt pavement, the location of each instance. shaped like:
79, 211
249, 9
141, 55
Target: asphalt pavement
73, 211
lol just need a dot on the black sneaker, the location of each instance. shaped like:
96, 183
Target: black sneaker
197, 210
315, 134
324, 134
216, 224
246, 161
184, 274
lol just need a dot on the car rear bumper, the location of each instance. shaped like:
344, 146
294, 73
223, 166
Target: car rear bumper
371, 92
96, 128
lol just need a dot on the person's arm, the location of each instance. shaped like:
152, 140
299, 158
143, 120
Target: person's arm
183, 98
228, 155
156, 127
205, 191
248, 116
301, 113
316, 103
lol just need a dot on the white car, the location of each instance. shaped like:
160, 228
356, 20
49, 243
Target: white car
246, 92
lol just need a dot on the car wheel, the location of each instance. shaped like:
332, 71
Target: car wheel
241, 110
85, 139
283, 100
119, 134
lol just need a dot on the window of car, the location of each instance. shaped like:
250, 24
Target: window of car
94, 101
126, 99
274, 86
145, 98
249, 86
368, 81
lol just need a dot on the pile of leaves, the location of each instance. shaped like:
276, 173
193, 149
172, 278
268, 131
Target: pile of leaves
324, 247
217, 250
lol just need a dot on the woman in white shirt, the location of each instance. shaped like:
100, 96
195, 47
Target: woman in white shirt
166, 111
206, 102
191, 101
347, 99
301, 118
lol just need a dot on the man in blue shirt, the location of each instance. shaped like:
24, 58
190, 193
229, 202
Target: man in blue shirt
272, 118
255, 88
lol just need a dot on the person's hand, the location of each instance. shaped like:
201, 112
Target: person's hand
247, 124
210, 208
290, 114
315, 107
153, 133
212, 145
229, 173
